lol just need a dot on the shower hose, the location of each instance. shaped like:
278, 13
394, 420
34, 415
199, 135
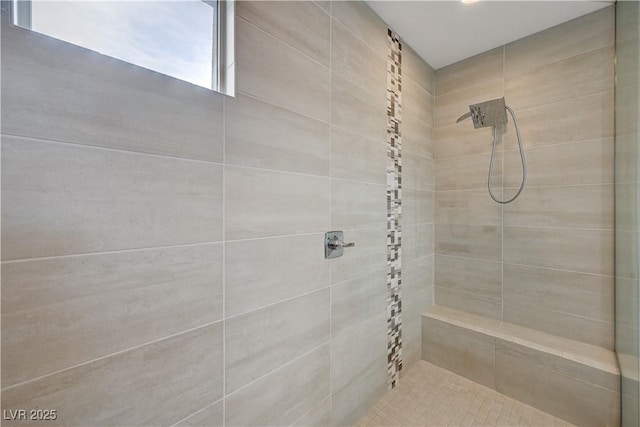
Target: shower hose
524, 163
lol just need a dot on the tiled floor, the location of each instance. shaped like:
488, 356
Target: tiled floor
431, 396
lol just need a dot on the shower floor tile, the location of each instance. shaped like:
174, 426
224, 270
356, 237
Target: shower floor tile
431, 396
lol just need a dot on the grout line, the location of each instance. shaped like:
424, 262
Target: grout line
106, 356
306, 353
224, 265
502, 208
200, 410
331, 355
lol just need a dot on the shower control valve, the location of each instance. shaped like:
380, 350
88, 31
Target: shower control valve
334, 244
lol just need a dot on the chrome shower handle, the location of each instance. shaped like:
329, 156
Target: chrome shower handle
336, 243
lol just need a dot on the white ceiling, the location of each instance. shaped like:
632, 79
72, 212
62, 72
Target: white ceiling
444, 32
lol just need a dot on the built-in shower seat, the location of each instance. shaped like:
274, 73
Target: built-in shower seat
577, 382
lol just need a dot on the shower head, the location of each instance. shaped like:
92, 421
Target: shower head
487, 113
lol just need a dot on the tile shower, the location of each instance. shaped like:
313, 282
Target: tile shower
162, 258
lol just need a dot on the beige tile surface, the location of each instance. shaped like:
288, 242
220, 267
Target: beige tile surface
417, 102
462, 139
63, 199
470, 241
417, 241
256, 343
148, 377
256, 275
467, 207
283, 396
417, 276
270, 70
211, 416
469, 72
472, 302
357, 158
363, 22
262, 203
452, 105
262, 135
432, 396
469, 172
60, 312
416, 69
357, 205
417, 172
303, 25
583, 34
41, 80
469, 275
360, 110
367, 256
417, 207
320, 416
417, 137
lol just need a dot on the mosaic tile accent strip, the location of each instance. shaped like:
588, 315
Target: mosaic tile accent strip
394, 208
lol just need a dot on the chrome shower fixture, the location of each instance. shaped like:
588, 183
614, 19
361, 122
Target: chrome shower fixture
494, 113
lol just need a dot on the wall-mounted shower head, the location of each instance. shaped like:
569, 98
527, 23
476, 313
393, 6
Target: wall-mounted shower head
487, 113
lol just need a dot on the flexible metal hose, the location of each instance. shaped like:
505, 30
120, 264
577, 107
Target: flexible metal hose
524, 163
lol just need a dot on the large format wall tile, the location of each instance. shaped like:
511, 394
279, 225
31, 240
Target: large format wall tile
461, 139
266, 203
357, 158
417, 172
65, 199
469, 275
586, 33
211, 416
355, 61
320, 416
284, 395
270, 70
417, 102
416, 69
258, 342
471, 241
360, 110
300, 24
257, 274
132, 385
546, 84
469, 172
368, 255
471, 71
417, 137
454, 104
470, 302
417, 241
363, 22
262, 135
467, 207
59, 312
357, 205
417, 207
589, 251
121, 105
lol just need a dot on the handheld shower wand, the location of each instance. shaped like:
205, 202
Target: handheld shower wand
494, 113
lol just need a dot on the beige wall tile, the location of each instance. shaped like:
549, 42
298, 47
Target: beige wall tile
626, 170
550, 83
416, 69
588, 206
417, 102
147, 378
357, 205
573, 305
65, 199
211, 416
417, 137
578, 119
467, 207
588, 251
270, 70
627, 116
262, 135
351, 402
320, 416
470, 241
417, 276
363, 22
367, 256
592, 31
627, 57
560, 395
357, 158
353, 60
469, 172
454, 104
300, 24
41, 80
471, 302
356, 348
627, 21
359, 110
267, 203
417, 172
469, 275
469, 72
257, 275
60, 312
284, 395
459, 350
261, 341
585, 162
417, 207
417, 241
461, 139
356, 301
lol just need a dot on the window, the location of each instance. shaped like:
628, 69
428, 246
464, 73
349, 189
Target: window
190, 40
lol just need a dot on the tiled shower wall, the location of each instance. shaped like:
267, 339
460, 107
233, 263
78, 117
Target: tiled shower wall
163, 245
546, 260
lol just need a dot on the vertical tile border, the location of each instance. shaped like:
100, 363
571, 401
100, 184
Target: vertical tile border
394, 208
